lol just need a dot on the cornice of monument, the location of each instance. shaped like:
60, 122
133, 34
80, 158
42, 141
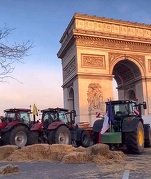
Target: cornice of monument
95, 34
95, 29
102, 19
112, 20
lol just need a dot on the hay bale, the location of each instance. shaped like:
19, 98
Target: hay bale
115, 155
98, 149
98, 159
61, 148
19, 156
79, 149
8, 169
35, 148
6, 150
40, 152
76, 157
58, 151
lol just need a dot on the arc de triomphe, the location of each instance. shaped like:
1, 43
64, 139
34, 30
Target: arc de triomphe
94, 50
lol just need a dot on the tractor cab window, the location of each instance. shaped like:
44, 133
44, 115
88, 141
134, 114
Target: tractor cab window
24, 117
63, 117
48, 116
132, 107
121, 109
9, 116
2, 119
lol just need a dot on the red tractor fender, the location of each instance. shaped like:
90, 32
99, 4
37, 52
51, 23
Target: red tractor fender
3, 125
55, 125
37, 126
12, 124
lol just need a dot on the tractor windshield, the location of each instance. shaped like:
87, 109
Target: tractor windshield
22, 116
124, 109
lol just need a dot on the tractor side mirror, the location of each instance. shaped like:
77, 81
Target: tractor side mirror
144, 105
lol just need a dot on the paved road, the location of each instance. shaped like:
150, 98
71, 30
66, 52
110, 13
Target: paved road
138, 165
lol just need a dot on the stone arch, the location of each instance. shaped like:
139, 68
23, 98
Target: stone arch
138, 60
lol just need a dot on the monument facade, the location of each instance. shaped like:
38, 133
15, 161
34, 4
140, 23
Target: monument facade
94, 50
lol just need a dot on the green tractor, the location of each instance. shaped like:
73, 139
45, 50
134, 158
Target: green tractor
123, 127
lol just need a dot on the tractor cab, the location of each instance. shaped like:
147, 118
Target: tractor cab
15, 126
51, 115
123, 125
17, 114
125, 108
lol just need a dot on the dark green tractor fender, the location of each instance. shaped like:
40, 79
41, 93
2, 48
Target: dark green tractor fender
97, 126
130, 124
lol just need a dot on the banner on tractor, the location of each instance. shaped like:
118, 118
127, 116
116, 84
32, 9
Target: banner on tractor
108, 118
35, 110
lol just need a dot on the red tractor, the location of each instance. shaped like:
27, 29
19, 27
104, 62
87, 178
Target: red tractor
14, 126
58, 127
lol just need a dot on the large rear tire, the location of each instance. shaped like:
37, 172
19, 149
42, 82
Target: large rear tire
16, 136
147, 135
135, 140
84, 139
62, 135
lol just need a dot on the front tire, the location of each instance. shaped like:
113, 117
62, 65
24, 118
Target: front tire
135, 140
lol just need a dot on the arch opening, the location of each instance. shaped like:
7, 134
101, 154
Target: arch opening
126, 74
71, 99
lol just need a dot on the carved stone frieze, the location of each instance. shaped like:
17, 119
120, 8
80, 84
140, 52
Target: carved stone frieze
69, 68
113, 26
104, 19
112, 44
92, 61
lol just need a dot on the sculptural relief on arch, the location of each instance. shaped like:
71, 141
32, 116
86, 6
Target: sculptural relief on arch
96, 50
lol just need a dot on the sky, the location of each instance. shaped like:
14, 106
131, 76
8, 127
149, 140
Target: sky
43, 23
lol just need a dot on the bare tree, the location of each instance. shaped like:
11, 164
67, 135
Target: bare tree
9, 55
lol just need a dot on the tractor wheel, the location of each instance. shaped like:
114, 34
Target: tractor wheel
147, 135
16, 136
62, 135
135, 140
51, 137
33, 137
84, 140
